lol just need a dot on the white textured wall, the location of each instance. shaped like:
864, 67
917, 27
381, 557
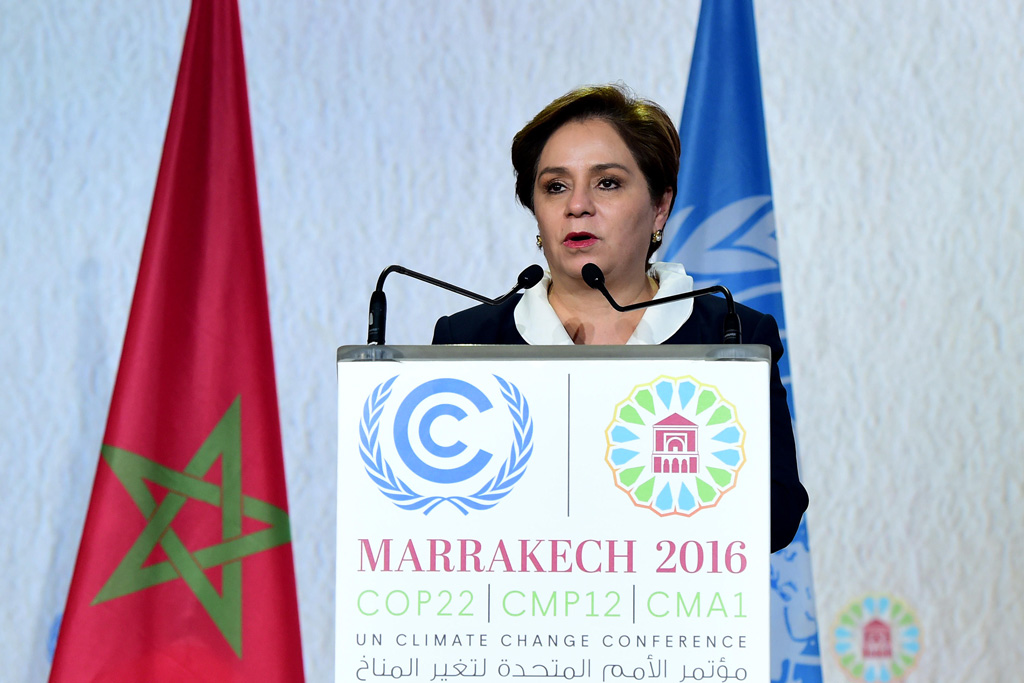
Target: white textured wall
382, 132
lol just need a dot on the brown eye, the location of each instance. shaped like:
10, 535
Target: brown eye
608, 183
554, 187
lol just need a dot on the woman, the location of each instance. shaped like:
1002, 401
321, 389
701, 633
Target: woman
598, 169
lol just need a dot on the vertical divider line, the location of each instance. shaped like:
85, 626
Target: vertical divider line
568, 440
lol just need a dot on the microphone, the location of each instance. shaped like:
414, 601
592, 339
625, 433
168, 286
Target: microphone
731, 331
379, 303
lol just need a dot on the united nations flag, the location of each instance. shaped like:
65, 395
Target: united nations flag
723, 230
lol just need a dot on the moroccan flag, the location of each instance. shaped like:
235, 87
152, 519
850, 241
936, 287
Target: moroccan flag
723, 230
185, 569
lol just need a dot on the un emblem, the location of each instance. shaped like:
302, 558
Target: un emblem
413, 446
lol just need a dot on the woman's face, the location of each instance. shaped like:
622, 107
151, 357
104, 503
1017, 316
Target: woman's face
592, 204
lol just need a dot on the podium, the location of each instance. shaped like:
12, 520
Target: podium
567, 512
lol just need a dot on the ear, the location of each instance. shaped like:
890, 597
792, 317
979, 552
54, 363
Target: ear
662, 208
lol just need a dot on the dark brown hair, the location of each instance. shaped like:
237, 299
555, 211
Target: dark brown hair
644, 126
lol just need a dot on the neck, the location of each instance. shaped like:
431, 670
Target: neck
587, 316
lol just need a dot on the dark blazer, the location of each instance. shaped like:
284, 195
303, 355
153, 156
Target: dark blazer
496, 325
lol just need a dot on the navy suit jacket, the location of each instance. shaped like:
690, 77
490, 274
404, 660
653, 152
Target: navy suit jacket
496, 325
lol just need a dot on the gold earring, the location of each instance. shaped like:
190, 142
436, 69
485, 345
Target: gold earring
540, 242
656, 238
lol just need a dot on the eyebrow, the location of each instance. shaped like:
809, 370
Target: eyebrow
562, 170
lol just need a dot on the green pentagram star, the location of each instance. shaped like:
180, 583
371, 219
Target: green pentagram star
133, 470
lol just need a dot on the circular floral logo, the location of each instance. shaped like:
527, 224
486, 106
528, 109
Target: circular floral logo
675, 446
877, 639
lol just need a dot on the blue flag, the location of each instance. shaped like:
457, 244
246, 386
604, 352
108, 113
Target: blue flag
722, 229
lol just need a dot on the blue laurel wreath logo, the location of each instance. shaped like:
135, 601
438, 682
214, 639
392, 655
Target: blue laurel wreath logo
403, 495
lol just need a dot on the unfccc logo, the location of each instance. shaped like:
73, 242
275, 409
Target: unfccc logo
434, 465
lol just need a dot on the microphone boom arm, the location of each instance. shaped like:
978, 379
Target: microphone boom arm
692, 294
379, 303
732, 331
402, 270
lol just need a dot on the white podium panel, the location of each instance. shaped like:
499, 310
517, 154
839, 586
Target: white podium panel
553, 512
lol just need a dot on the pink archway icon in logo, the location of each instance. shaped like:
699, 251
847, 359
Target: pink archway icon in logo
675, 446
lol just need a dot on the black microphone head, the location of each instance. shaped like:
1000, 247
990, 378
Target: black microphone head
530, 276
592, 275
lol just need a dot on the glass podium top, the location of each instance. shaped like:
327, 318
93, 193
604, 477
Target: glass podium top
479, 352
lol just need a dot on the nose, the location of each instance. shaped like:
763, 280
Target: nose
580, 202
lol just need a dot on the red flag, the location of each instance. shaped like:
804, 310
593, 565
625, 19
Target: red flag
185, 570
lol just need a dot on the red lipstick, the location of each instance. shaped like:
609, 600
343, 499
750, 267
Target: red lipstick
579, 240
